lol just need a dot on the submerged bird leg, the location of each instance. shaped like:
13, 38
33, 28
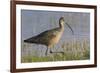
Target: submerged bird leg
46, 51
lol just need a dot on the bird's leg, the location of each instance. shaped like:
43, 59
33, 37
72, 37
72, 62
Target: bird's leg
51, 51
57, 51
46, 51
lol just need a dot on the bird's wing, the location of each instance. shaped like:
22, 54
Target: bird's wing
43, 37
46, 34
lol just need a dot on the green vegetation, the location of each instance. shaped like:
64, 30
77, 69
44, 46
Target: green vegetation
73, 50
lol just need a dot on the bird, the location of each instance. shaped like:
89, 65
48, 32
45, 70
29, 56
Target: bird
50, 37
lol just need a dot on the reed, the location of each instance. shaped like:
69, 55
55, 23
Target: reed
73, 50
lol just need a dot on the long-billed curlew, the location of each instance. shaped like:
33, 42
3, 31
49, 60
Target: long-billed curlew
50, 37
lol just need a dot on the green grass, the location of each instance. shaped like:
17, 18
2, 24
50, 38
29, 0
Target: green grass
73, 50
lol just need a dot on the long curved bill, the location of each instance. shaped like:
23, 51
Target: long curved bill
70, 28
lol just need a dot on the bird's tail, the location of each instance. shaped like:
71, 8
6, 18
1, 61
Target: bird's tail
27, 41
30, 40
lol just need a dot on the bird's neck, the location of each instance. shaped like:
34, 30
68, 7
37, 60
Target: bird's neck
61, 26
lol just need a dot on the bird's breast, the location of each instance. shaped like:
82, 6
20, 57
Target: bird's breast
56, 39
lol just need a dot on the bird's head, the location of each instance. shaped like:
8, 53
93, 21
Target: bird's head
62, 22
